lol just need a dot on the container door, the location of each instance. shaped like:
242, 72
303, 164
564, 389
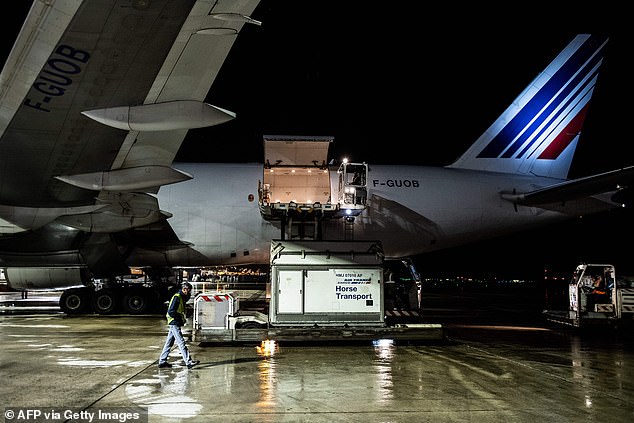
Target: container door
289, 293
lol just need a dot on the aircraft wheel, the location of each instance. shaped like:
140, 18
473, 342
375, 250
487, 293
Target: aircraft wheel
74, 301
104, 301
136, 302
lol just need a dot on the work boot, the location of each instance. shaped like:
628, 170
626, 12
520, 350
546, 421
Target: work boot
164, 365
192, 363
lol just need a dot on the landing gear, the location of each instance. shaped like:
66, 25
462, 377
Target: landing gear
75, 300
128, 299
104, 301
139, 300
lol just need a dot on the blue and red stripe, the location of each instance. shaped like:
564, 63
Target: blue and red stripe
561, 94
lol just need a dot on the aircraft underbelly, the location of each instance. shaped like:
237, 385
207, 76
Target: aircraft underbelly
221, 220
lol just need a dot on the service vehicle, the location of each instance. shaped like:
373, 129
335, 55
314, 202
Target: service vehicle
596, 298
320, 290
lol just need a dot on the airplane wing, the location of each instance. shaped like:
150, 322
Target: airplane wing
612, 182
95, 101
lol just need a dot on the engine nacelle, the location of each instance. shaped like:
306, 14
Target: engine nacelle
33, 278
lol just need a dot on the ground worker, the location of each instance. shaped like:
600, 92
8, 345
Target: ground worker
176, 319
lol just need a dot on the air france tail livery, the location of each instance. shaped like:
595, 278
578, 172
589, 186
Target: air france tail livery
538, 133
89, 132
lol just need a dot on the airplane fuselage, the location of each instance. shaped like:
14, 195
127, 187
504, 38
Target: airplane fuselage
411, 209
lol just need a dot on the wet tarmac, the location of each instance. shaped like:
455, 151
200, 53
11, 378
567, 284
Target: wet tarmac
499, 363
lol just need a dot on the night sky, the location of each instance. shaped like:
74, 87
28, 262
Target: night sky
402, 86
397, 84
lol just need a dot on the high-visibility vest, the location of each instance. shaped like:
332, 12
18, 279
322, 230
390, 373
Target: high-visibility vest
180, 310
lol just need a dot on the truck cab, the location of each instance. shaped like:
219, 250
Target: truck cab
592, 289
595, 298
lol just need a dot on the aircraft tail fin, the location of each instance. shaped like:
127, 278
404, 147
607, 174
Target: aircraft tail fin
538, 133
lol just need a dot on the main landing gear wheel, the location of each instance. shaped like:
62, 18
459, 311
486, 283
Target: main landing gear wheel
136, 302
104, 301
74, 301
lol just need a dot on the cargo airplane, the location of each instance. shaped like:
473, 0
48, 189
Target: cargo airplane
96, 99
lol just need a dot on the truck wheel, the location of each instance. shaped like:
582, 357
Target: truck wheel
104, 301
74, 301
136, 302
250, 325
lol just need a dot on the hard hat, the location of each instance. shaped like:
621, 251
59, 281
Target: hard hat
186, 285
